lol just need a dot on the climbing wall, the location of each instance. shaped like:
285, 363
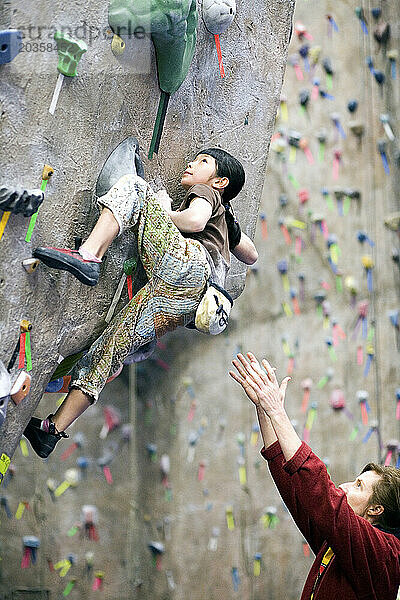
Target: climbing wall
104, 549
112, 97
183, 504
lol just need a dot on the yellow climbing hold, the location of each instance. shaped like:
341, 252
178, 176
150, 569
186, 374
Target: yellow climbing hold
64, 565
314, 54
25, 325
291, 222
47, 172
4, 464
20, 510
3, 222
229, 518
24, 448
367, 262
117, 45
242, 475
61, 488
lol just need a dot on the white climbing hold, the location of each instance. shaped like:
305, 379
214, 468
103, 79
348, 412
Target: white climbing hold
165, 464
21, 387
218, 14
72, 477
30, 264
5, 381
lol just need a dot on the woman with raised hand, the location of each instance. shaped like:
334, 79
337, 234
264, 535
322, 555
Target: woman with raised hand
353, 529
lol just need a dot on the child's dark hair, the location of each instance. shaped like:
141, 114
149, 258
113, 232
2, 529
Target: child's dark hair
227, 166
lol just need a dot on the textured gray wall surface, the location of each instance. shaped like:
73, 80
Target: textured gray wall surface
110, 99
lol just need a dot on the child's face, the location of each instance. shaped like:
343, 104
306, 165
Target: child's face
202, 169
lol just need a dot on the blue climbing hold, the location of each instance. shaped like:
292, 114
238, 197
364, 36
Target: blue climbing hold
362, 236
370, 63
54, 386
394, 319
82, 462
10, 45
283, 200
352, 106
379, 77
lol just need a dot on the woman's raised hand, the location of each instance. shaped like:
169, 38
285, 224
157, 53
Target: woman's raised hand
244, 378
260, 384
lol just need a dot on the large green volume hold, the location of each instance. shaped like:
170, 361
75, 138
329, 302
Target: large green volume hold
172, 26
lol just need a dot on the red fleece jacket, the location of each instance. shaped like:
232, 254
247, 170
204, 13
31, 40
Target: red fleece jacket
366, 560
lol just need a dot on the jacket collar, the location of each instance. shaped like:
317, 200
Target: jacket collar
393, 530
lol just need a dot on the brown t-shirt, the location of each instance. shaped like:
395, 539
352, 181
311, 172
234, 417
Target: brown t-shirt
215, 234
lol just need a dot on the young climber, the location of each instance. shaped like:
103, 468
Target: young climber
353, 529
179, 249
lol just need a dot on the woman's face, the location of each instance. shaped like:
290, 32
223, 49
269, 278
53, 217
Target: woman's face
359, 491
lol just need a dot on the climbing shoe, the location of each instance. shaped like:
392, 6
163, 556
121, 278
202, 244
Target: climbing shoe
86, 271
43, 435
123, 160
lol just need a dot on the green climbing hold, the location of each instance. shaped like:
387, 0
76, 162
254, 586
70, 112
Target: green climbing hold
130, 266
172, 25
67, 365
70, 52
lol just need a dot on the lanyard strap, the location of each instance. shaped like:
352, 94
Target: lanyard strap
324, 563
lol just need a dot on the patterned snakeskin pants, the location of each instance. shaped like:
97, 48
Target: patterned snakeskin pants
177, 272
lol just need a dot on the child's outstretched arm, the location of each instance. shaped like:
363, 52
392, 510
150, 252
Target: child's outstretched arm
194, 218
245, 251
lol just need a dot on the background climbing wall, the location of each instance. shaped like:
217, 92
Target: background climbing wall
216, 512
